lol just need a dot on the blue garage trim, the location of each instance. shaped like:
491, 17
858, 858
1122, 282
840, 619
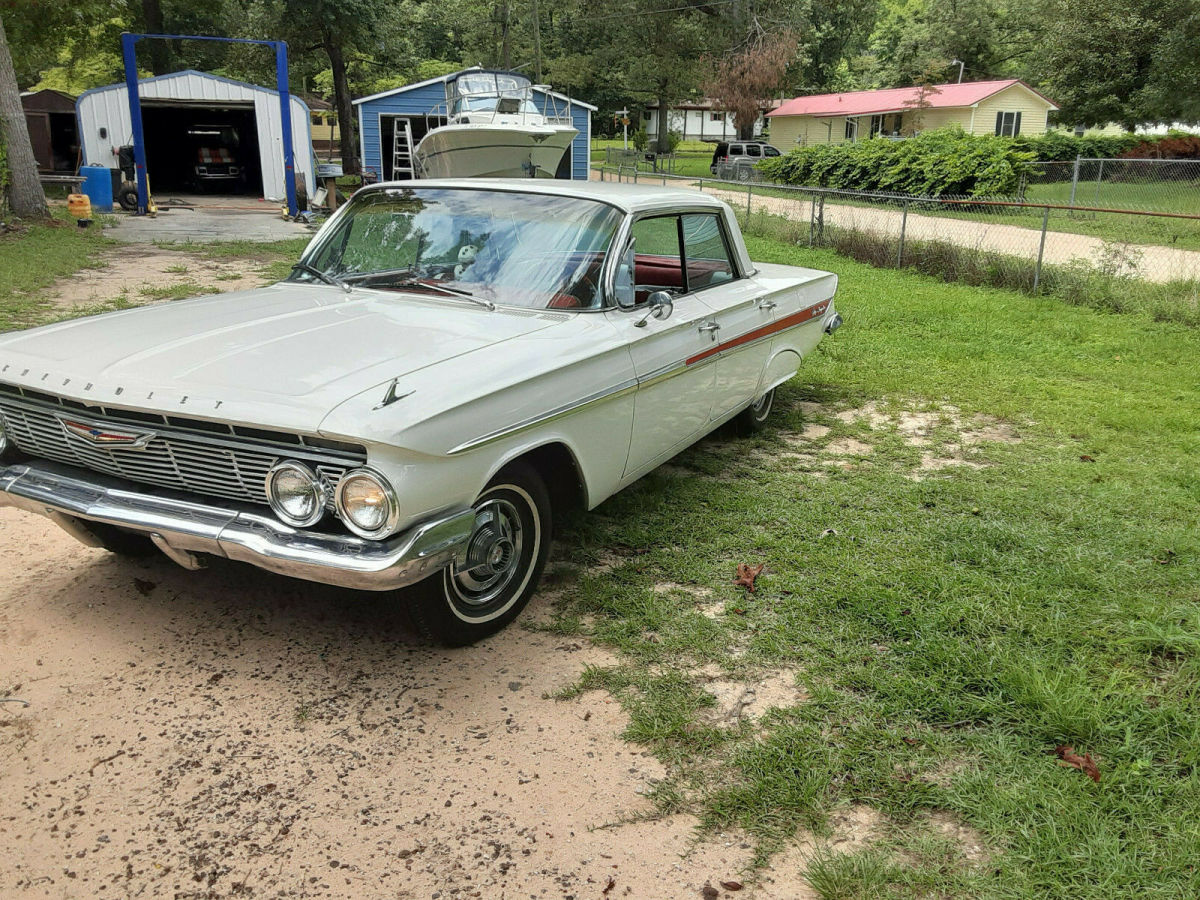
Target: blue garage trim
421, 98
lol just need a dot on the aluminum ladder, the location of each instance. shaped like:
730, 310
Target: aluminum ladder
402, 150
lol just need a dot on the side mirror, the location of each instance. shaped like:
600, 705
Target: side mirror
659, 305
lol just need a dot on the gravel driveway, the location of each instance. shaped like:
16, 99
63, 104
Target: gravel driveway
227, 733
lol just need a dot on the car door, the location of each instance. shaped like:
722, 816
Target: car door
739, 308
674, 393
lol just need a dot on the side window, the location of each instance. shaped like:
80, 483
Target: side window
706, 254
753, 150
770, 151
658, 265
737, 150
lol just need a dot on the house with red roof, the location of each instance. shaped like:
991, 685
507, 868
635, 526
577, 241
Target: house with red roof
1006, 108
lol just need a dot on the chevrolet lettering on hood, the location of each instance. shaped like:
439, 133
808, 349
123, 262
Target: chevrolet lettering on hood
451, 365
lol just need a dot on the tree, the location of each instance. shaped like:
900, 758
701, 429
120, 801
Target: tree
1125, 61
744, 78
26, 197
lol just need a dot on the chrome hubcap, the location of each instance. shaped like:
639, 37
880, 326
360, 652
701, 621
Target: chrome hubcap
492, 553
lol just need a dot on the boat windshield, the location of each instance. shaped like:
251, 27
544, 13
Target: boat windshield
492, 247
491, 104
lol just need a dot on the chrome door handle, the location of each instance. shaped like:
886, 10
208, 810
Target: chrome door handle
767, 304
711, 328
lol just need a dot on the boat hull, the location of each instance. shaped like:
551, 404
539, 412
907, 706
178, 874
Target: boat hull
492, 151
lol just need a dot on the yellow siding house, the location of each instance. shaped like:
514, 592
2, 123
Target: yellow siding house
1004, 108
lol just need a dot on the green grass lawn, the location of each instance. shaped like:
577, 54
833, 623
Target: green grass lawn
951, 631
33, 256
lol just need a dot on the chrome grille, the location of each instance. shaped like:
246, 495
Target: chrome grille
215, 465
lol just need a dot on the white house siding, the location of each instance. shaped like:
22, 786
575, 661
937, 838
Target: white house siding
108, 107
698, 124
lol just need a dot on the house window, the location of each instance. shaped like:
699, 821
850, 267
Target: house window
876, 125
716, 117
852, 129
1008, 124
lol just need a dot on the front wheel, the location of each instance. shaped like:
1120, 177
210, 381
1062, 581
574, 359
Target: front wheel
754, 416
505, 557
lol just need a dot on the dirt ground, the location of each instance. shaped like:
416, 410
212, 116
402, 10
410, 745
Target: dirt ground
228, 733
138, 271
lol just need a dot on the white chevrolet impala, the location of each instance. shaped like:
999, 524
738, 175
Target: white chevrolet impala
450, 364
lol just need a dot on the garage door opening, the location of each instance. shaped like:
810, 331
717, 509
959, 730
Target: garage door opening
199, 149
388, 127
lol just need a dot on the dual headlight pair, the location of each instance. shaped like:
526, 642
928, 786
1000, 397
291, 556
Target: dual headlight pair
364, 500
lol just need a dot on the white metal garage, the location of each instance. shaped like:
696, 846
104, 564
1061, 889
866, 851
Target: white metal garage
178, 107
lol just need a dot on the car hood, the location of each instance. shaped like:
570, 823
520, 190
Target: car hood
280, 356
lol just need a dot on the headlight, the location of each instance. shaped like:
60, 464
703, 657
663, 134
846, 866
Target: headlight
296, 494
367, 504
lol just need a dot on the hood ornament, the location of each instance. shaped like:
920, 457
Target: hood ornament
390, 396
103, 436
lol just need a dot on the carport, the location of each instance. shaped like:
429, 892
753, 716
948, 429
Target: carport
203, 134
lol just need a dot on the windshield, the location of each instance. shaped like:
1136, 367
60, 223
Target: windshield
503, 247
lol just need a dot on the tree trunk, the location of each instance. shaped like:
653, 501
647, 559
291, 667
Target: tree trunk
26, 198
664, 123
341, 102
159, 50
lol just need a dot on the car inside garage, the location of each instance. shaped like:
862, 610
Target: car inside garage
200, 149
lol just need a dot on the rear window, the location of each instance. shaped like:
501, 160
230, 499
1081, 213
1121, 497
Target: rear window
770, 151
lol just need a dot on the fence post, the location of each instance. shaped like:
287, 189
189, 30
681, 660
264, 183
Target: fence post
903, 227
749, 192
1099, 175
812, 218
1037, 272
700, 185
1074, 181
821, 220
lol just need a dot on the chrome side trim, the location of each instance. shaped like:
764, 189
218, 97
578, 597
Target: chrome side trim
182, 527
609, 393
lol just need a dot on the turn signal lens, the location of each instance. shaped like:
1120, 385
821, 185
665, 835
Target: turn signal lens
296, 494
367, 504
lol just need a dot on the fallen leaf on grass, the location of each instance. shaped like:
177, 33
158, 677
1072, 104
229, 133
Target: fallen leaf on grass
746, 575
1084, 763
731, 885
1085, 458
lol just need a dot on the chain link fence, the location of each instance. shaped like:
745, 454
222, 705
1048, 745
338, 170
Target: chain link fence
1030, 246
1153, 185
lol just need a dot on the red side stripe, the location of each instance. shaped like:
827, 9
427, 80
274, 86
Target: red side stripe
782, 325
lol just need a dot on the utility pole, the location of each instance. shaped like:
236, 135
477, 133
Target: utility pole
537, 43
624, 115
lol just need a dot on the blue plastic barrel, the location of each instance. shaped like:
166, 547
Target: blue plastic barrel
97, 185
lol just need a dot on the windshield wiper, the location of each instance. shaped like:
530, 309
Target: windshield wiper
323, 276
380, 279
453, 292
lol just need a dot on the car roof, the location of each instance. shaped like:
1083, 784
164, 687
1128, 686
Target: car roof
624, 196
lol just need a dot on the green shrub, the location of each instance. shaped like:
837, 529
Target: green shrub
640, 139
674, 139
1063, 146
935, 163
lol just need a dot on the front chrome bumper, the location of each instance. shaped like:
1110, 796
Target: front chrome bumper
182, 527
